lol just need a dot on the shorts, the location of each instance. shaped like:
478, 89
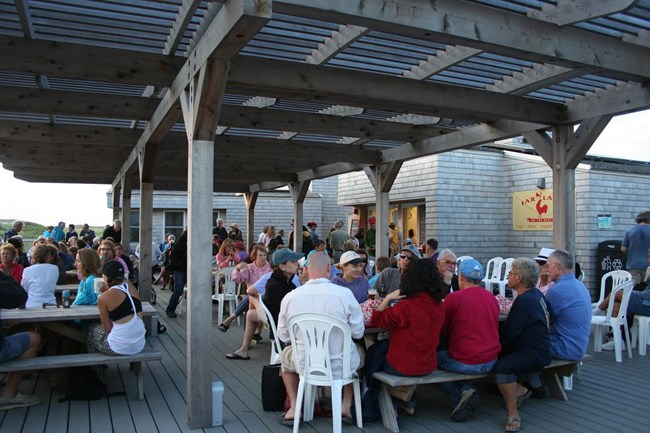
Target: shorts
286, 358
13, 346
636, 305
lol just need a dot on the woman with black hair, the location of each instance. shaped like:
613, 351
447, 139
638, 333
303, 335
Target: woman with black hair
414, 323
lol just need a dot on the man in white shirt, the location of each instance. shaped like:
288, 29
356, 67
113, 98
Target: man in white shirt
318, 295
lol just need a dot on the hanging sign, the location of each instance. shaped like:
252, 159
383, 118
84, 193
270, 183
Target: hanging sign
532, 210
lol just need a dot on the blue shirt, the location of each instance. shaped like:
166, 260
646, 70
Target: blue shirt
570, 304
637, 242
359, 287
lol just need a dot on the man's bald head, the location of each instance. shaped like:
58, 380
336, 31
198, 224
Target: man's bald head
319, 266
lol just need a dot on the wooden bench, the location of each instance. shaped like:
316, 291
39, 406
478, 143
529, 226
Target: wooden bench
551, 374
83, 359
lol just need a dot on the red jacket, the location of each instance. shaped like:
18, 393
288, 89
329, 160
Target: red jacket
414, 325
472, 325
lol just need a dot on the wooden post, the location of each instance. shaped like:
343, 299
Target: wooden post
127, 185
146, 237
115, 195
298, 193
564, 201
251, 200
382, 178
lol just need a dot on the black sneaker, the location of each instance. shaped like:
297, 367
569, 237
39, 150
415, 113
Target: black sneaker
463, 409
172, 314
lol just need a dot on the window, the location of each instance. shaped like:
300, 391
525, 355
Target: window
174, 222
135, 226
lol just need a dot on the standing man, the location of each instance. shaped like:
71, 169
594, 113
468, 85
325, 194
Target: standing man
220, 230
114, 231
371, 236
57, 233
318, 295
471, 330
311, 227
431, 250
71, 233
178, 266
18, 345
336, 240
636, 244
85, 230
16, 228
570, 304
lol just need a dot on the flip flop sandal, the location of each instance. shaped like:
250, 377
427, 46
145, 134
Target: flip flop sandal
523, 397
257, 337
282, 420
236, 357
223, 327
513, 424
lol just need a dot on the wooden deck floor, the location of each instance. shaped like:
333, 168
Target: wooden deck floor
611, 397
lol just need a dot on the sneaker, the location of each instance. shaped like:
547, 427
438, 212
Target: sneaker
598, 312
609, 345
171, 314
20, 400
463, 409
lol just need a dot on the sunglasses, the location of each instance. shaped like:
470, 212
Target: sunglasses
405, 257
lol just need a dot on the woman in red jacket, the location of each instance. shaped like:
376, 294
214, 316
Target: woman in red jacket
414, 324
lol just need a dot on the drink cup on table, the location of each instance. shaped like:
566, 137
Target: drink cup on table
372, 294
98, 285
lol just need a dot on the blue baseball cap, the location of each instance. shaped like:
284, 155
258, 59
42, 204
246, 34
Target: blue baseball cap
285, 255
472, 269
412, 249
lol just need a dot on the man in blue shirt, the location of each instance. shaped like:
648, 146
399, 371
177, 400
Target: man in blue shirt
570, 304
636, 244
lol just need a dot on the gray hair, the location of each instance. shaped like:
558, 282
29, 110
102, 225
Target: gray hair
17, 224
445, 252
564, 258
338, 224
528, 270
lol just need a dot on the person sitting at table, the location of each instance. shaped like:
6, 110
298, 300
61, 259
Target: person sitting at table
544, 282
121, 331
19, 345
447, 266
240, 250
570, 309
414, 324
389, 279
55, 259
525, 339
248, 274
39, 280
285, 267
227, 254
21, 255
66, 258
88, 264
8, 264
119, 253
471, 334
107, 252
381, 263
353, 276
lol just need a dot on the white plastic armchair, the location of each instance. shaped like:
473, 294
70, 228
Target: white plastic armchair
492, 273
315, 330
602, 323
276, 349
506, 265
228, 294
618, 277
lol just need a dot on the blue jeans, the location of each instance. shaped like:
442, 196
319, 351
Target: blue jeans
179, 285
454, 390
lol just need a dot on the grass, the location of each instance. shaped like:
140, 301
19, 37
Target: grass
33, 230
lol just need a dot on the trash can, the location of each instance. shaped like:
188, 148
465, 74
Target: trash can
609, 258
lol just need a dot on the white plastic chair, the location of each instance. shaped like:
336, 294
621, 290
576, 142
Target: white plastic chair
600, 323
640, 328
228, 294
618, 277
276, 349
492, 273
506, 266
316, 330
461, 258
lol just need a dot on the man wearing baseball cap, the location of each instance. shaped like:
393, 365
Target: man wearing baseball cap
472, 331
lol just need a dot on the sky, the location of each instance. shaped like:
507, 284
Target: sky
626, 137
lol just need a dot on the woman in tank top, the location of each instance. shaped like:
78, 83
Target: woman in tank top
121, 331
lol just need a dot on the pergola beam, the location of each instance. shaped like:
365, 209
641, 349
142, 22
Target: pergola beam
566, 12
346, 87
183, 17
613, 100
456, 22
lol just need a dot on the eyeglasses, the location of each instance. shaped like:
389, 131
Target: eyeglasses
448, 262
405, 257
104, 249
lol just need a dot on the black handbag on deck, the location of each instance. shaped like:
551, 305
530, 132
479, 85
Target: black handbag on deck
273, 391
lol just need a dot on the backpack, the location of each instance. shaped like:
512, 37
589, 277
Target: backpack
84, 385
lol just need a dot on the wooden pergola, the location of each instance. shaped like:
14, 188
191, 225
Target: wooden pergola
251, 95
